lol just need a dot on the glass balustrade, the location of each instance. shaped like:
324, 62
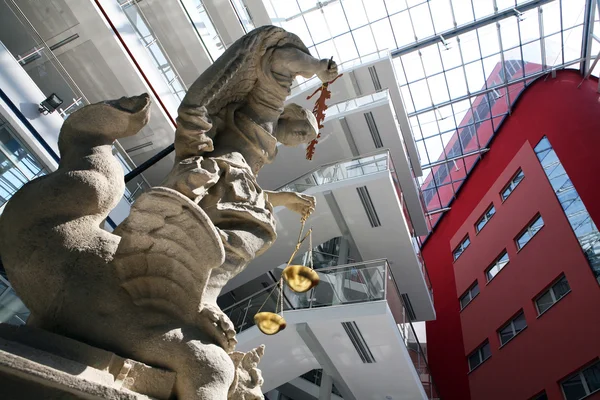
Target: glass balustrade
342, 170
342, 285
347, 284
352, 104
204, 27
18, 165
304, 84
157, 53
319, 259
12, 309
38, 60
243, 15
40, 63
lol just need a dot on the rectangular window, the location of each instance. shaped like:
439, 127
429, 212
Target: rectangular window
497, 266
469, 295
556, 292
540, 396
480, 355
583, 383
510, 187
461, 247
580, 220
487, 215
529, 232
512, 328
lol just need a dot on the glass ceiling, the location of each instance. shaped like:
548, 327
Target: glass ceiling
460, 64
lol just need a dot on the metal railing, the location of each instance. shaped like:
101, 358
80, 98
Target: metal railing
346, 284
204, 27
357, 167
342, 285
148, 39
56, 78
342, 170
319, 259
352, 104
40, 56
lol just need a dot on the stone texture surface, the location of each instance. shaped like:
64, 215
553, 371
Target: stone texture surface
148, 290
39, 364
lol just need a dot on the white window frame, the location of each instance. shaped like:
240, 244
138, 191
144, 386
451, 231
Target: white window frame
511, 185
496, 263
583, 381
461, 246
512, 325
528, 229
485, 218
469, 292
552, 295
480, 354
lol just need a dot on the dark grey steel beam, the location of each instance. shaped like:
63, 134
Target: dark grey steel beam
450, 159
459, 30
500, 86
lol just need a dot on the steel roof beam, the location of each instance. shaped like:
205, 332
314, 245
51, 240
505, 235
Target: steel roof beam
491, 89
460, 30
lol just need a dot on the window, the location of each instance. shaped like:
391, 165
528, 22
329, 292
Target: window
556, 292
497, 266
579, 218
469, 295
529, 232
540, 396
583, 383
480, 355
512, 328
508, 189
487, 215
461, 247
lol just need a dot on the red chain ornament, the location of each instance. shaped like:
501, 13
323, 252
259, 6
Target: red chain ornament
319, 113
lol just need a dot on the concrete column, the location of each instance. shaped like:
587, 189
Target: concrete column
326, 386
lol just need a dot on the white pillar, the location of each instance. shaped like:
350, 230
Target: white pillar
258, 12
225, 20
326, 386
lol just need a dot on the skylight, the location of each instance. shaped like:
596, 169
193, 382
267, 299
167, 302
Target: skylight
460, 64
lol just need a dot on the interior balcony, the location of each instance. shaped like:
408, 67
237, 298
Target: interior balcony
354, 325
358, 199
351, 128
363, 76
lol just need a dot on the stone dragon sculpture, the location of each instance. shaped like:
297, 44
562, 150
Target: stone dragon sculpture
148, 290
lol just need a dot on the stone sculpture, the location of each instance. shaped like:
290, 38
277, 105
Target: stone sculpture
148, 290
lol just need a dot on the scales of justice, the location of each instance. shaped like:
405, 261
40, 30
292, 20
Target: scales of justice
137, 307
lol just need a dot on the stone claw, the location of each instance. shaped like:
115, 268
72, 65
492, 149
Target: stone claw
219, 326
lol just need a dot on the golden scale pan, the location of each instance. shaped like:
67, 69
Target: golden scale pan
299, 278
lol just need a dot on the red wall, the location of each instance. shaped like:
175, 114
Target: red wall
566, 336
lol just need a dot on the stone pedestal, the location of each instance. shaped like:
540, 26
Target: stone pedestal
35, 364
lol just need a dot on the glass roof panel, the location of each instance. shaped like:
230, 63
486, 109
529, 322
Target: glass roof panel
442, 15
452, 85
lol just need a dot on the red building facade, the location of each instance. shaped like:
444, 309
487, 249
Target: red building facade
548, 347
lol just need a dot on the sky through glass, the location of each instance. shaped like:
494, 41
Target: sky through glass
456, 89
